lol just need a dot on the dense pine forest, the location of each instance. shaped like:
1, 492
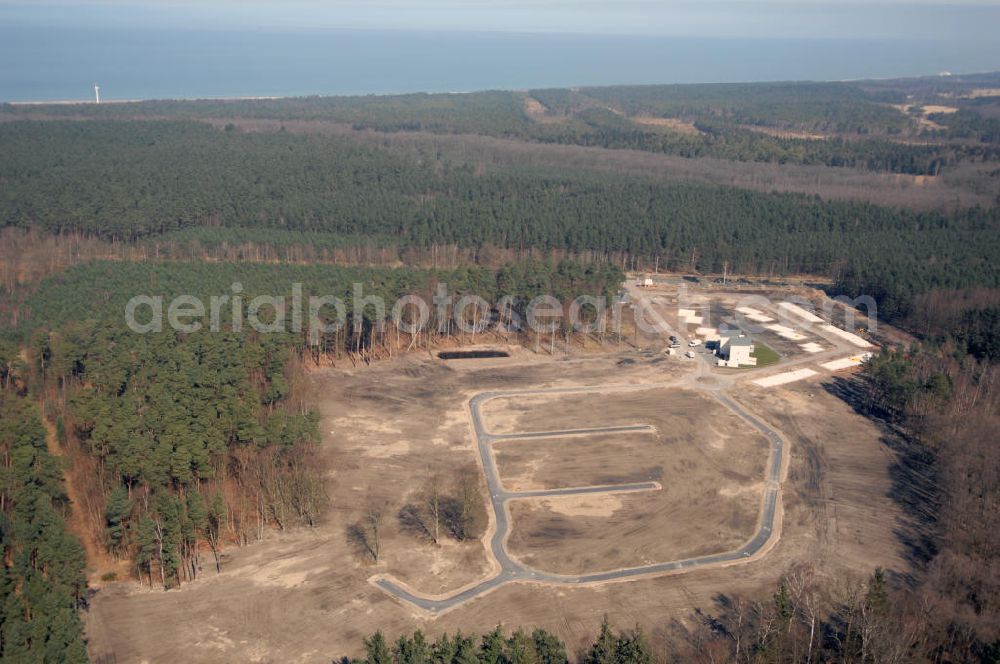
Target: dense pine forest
178, 442
855, 121
145, 180
43, 584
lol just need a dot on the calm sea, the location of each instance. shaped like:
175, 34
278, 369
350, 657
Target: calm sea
65, 63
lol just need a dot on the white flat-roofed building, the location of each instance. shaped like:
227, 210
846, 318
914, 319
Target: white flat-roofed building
735, 351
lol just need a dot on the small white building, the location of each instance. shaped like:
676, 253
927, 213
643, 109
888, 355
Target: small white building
735, 350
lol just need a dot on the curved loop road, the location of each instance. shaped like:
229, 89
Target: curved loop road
514, 571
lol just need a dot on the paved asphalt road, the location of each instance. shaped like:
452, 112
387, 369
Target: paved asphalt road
702, 379
511, 570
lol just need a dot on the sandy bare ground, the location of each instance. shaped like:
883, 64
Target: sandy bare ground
934, 108
579, 461
787, 133
539, 113
983, 92
922, 120
709, 463
304, 596
673, 124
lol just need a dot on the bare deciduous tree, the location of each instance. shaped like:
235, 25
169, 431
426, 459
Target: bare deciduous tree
366, 533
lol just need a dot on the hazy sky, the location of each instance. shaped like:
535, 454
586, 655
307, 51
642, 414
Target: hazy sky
968, 19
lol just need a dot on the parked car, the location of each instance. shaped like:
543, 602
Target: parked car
694, 342
689, 355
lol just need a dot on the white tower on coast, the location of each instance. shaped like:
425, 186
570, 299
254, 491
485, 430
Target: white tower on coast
97, 94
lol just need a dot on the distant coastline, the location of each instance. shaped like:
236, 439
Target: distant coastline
237, 98
62, 64
79, 102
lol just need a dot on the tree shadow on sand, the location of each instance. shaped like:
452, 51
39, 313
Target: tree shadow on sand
915, 486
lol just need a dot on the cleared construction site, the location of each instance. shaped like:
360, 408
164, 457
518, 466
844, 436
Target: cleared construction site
623, 479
